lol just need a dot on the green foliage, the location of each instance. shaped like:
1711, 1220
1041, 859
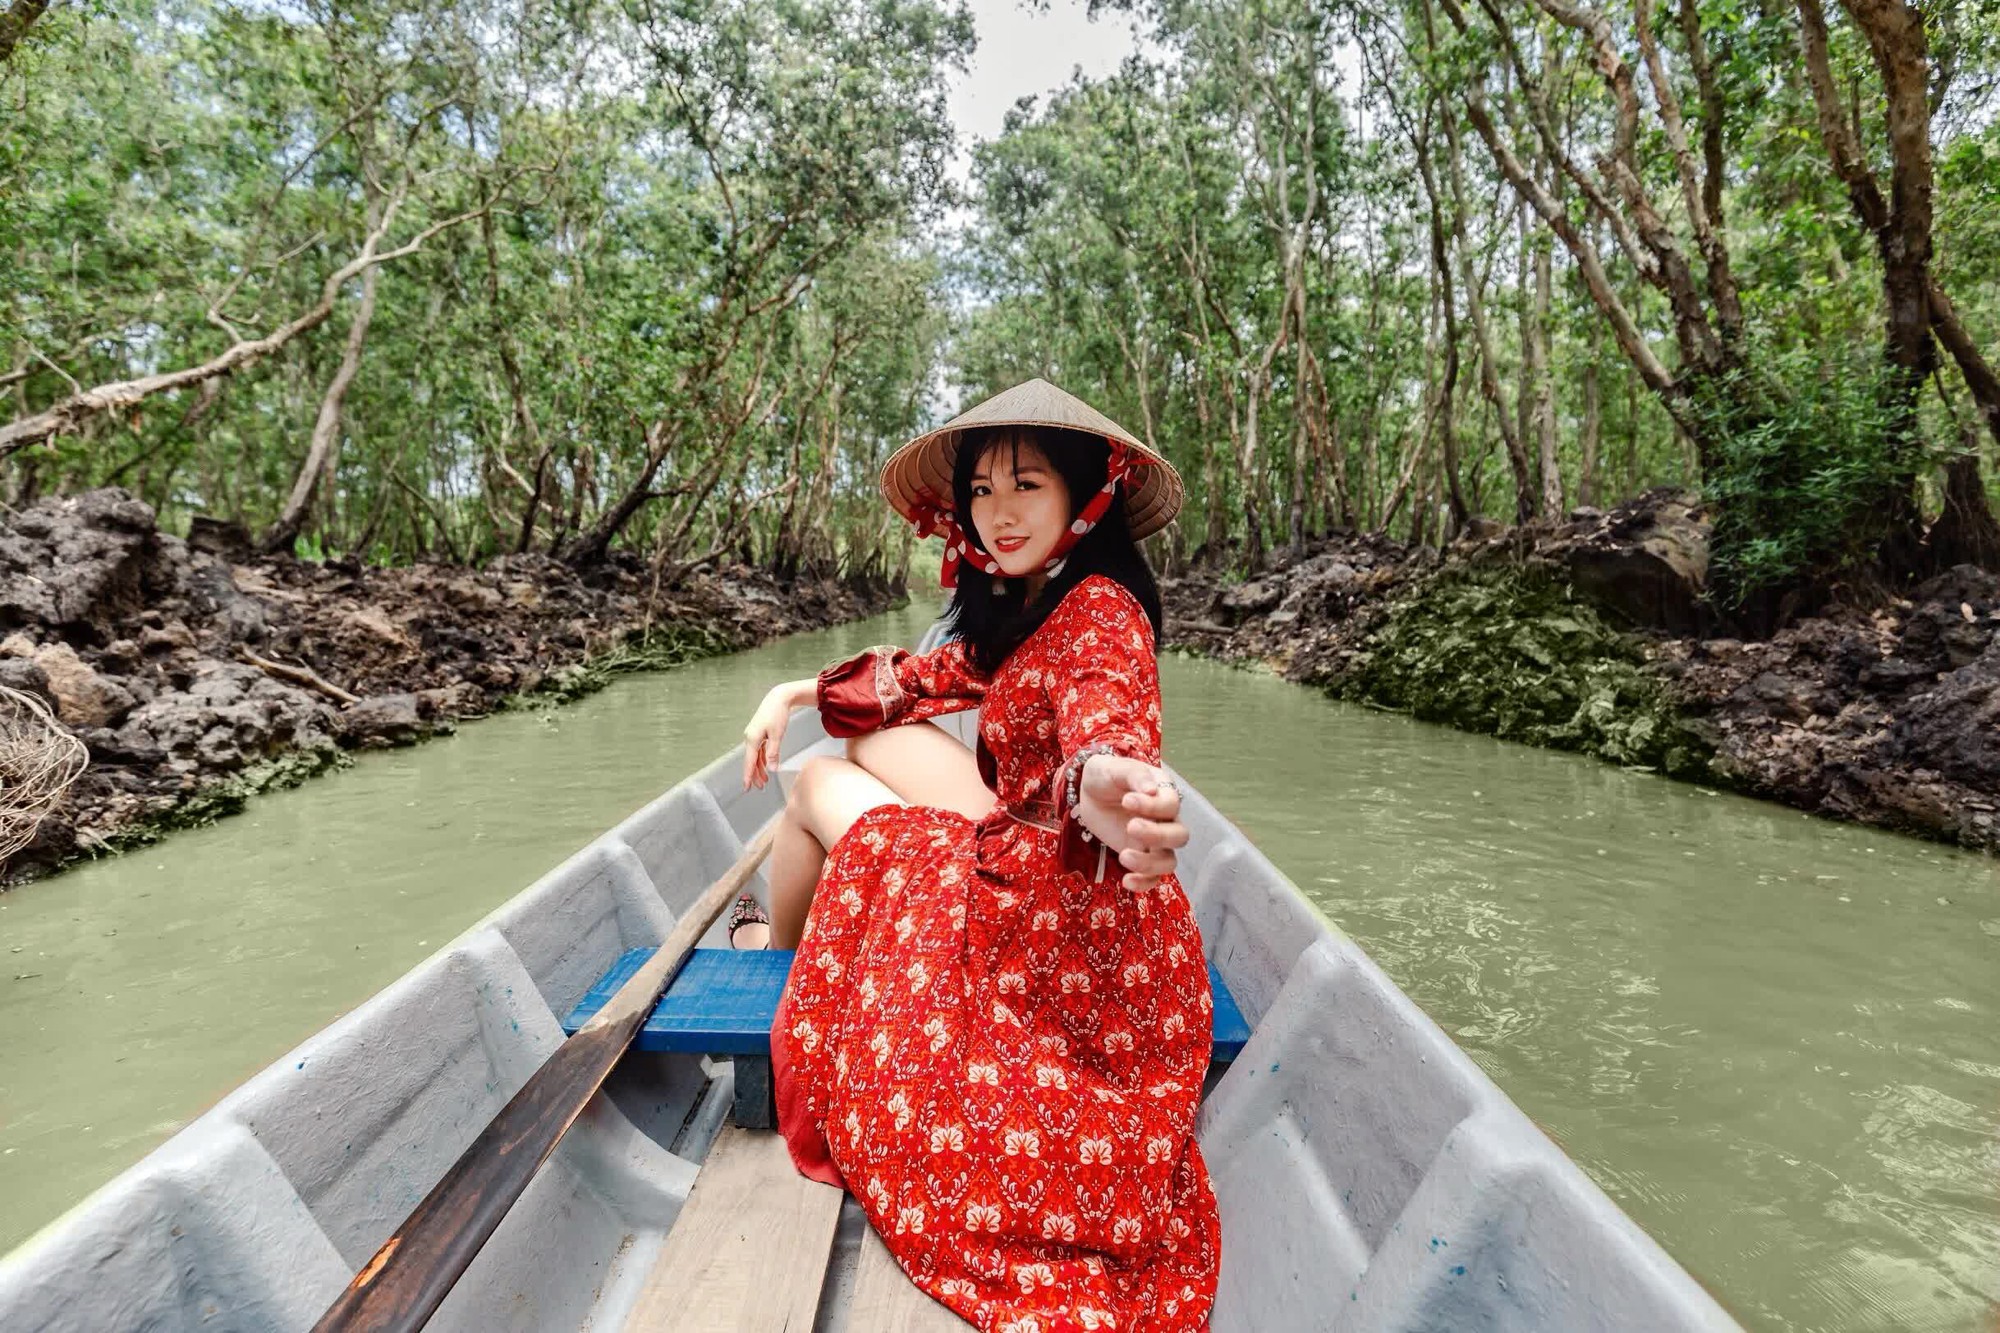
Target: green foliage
1132, 233
1519, 656
705, 272
714, 287
1803, 471
647, 650
220, 799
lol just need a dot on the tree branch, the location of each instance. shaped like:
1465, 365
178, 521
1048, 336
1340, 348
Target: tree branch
1674, 279
1980, 378
15, 22
67, 416
1841, 145
1630, 340
1721, 282
305, 676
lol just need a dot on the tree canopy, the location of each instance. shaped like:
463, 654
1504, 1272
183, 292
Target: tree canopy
452, 278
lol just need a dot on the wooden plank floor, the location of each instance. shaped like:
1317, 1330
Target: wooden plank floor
885, 1300
749, 1250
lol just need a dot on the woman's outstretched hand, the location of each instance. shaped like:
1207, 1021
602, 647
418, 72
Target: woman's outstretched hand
1135, 808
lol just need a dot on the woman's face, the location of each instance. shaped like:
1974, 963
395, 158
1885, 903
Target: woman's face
1020, 507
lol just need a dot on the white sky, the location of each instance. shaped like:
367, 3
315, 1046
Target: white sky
1022, 53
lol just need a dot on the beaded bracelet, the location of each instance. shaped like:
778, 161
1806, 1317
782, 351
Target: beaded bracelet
1072, 794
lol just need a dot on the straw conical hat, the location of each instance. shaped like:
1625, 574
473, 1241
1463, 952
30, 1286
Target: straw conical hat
924, 464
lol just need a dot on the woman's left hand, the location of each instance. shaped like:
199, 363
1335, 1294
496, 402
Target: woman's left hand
1135, 808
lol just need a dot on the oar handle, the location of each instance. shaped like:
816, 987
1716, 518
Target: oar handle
403, 1285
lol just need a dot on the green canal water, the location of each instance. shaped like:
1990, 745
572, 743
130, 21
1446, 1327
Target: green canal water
1773, 1040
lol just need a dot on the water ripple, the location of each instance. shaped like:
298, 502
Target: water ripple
1769, 1037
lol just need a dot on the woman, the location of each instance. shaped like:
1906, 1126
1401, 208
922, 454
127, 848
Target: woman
998, 1022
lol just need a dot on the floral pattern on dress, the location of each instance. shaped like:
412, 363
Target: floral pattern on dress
995, 1046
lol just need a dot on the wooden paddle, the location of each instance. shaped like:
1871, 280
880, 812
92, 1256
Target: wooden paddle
406, 1281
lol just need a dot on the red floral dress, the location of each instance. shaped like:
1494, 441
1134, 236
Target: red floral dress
990, 1041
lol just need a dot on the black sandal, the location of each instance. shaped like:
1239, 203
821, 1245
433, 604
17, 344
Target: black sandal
748, 911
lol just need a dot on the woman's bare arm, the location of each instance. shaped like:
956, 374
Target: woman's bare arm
762, 738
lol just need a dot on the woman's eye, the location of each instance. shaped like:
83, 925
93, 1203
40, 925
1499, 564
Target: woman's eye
982, 490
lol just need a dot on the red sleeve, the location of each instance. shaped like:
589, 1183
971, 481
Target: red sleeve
1106, 690
889, 686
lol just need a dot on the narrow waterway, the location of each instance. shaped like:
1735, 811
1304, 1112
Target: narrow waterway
1774, 1040
1770, 1038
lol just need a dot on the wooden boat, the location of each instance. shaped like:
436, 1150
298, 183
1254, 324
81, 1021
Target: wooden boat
1369, 1175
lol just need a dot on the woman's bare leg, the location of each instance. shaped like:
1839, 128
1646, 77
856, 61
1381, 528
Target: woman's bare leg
913, 765
829, 795
925, 765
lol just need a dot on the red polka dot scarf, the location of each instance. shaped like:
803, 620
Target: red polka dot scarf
934, 518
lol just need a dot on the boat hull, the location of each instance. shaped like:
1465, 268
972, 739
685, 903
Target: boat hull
1370, 1176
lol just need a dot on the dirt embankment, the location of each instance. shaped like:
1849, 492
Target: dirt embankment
197, 673
1593, 636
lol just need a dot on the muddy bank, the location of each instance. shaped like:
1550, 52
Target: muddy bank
1593, 636
198, 673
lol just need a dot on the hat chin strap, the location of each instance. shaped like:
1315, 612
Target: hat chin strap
934, 518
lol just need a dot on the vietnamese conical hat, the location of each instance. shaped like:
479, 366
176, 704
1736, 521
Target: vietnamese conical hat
923, 466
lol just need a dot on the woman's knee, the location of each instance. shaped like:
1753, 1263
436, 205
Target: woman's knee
829, 794
869, 745
924, 765
809, 783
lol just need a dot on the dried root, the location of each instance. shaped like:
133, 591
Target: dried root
39, 761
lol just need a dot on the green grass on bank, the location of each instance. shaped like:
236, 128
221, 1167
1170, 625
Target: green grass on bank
655, 649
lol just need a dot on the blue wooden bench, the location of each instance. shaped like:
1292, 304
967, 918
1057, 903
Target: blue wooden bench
723, 1001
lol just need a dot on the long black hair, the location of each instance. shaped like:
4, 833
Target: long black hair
995, 623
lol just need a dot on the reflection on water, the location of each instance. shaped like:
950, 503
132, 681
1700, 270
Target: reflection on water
1770, 1038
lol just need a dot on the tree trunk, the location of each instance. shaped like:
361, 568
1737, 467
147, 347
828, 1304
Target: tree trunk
1441, 277
785, 543
320, 454
1965, 533
1593, 424
1420, 513
1489, 375
1414, 463
1631, 469
826, 559
15, 22
1901, 225
1702, 198
1979, 377
1301, 465
594, 544
1215, 504
1639, 227
1544, 410
1475, 303
1246, 470
376, 513
517, 392
1529, 378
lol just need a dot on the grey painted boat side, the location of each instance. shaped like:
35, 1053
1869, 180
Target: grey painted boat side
1370, 1176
